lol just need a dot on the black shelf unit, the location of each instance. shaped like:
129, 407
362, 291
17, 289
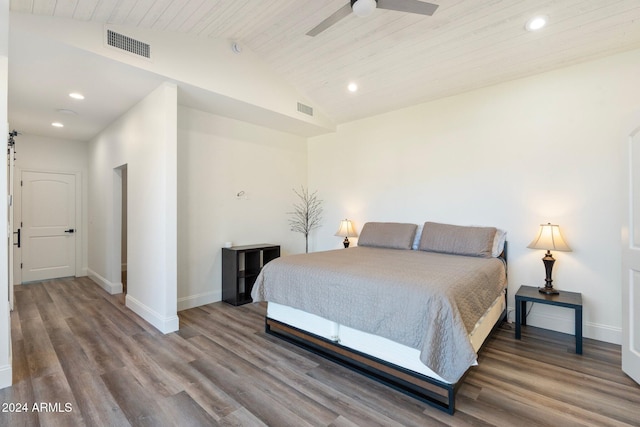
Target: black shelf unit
240, 268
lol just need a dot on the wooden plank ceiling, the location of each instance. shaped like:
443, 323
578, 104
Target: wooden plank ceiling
397, 59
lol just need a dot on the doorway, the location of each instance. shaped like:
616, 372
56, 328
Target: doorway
120, 223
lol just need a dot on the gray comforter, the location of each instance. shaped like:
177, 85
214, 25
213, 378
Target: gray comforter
424, 300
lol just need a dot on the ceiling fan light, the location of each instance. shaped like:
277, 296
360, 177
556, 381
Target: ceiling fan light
363, 7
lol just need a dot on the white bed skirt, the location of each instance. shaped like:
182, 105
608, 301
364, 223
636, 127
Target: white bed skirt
373, 345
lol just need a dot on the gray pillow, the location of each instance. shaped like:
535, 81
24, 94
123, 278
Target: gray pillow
457, 240
391, 235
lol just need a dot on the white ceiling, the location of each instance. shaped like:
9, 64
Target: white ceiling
397, 59
39, 69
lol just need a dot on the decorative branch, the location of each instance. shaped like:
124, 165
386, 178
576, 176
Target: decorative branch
306, 215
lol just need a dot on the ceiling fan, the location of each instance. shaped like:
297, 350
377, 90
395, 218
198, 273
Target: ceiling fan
366, 7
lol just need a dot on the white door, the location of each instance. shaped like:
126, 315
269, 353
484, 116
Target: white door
48, 225
631, 262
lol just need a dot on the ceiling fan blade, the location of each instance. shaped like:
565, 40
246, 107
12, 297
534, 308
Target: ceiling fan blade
411, 6
338, 15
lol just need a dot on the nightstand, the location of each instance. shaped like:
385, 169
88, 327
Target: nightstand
563, 299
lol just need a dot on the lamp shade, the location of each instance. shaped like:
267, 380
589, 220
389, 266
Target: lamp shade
363, 8
549, 238
346, 229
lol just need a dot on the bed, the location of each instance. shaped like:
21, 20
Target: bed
408, 307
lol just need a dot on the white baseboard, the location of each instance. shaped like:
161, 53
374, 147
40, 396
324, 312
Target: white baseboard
562, 320
162, 323
6, 376
604, 333
110, 287
192, 301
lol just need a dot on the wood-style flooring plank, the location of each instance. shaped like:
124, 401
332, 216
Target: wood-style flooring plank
24, 303
374, 397
20, 393
54, 401
20, 364
210, 397
251, 370
182, 410
134, 400
141, 364
103, 358
62, 298
350, 408
40, 355
94, 401
74, 343
243, 390
241, 418
257, 347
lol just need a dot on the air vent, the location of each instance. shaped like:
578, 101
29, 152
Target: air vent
123, 42
305, 109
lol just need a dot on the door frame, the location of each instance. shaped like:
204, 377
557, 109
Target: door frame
11, 190
116, 250
79, 223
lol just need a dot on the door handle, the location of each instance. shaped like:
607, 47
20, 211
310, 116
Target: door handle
18, 233
71, 230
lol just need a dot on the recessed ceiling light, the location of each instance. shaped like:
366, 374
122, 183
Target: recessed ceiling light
536, 23
352, 87
76, 95
57, 125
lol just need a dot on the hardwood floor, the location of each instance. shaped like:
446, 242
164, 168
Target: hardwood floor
90, 361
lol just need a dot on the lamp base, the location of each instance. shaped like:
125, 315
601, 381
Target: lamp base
548, 261
548, 290
345, 242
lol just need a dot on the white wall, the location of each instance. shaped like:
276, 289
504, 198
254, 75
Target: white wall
5, 323
145, 139
37, 153
515, 155
218, 158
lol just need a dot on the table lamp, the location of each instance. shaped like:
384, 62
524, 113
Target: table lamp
346, 230
549, 238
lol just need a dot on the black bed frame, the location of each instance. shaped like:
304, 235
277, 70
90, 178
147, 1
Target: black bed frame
436, 393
